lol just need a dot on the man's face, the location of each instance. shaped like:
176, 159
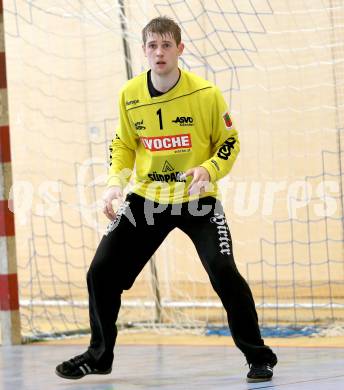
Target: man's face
162, 53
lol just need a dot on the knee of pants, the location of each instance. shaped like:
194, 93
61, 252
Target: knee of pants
116, 278
223, 267
96, 270
226, 276
98, 273
127, 283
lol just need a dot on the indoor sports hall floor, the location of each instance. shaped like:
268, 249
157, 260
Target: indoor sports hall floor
171, 367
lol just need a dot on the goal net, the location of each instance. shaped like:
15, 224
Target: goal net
280, 66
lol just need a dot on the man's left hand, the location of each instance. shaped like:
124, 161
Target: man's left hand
200, 180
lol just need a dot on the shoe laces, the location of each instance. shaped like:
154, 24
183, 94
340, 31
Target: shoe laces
79, 360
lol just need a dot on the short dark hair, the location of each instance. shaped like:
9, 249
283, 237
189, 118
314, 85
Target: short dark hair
162, 25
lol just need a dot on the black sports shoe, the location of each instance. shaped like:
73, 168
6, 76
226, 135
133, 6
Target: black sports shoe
79, 366
260, 372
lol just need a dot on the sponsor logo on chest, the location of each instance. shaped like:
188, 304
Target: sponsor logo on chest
183, 121
168, 142
140, 125
171, 177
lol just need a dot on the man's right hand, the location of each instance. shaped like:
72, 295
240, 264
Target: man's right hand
110, 194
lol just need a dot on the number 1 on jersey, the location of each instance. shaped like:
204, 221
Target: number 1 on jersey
160, 118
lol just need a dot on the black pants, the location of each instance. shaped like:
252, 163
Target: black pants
140, 228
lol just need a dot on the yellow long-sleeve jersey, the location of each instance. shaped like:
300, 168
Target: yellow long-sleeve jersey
187, 126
